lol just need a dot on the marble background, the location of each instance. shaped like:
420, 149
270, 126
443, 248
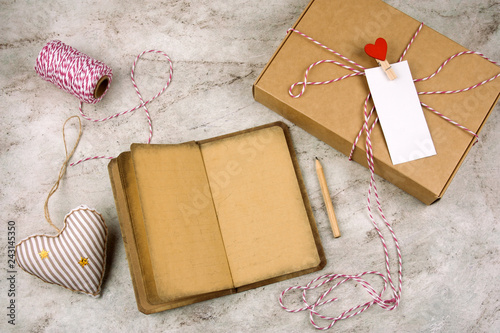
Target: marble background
451, 250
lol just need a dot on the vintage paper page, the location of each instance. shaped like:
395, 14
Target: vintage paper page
185, 244
263, 220
401, 117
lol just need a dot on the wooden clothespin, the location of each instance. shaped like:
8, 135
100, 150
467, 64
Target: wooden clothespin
379, 52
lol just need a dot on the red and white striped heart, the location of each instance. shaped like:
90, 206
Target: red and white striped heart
74, 258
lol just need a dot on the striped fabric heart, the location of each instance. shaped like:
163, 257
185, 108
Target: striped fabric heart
74, 258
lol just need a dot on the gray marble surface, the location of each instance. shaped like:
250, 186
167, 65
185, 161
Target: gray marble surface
450, 249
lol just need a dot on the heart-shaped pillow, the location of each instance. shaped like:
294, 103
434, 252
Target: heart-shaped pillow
74, 258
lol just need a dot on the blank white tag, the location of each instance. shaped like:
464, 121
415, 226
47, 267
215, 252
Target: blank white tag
401, 117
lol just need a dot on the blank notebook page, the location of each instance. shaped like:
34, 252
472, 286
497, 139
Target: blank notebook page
185, 244
262, 217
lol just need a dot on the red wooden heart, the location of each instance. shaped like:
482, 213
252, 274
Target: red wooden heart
377, 51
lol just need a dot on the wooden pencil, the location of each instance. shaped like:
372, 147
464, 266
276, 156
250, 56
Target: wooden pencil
327, 199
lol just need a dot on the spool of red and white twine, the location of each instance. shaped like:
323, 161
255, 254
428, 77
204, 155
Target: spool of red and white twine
89, 79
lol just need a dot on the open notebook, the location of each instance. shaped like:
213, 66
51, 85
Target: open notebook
210, 218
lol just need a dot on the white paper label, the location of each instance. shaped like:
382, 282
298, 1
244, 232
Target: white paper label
401, 117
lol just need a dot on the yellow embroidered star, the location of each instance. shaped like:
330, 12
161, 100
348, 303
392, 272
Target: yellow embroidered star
83, 261
44, 254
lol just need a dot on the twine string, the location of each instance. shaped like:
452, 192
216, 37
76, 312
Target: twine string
393, 302
143, 103
62, 171
79, 74
305, 82
330, 50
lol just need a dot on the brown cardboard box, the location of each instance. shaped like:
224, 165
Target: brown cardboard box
334, 112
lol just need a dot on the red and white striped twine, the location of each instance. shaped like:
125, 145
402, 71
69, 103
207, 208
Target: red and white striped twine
392, 302
71, 70
78, 74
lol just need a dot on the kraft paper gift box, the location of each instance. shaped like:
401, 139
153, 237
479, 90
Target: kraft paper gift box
334, 112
